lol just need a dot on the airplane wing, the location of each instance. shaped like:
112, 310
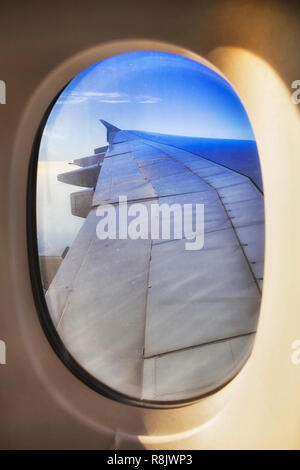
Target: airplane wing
148, 317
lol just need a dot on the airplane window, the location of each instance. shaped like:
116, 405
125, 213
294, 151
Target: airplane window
149, 228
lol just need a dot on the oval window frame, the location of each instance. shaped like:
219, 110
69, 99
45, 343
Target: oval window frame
39, 298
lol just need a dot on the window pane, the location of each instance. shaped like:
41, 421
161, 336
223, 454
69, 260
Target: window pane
150, 225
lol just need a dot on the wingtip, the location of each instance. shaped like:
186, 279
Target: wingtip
108, 125
111, 130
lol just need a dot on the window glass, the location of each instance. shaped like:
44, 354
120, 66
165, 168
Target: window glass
150, 228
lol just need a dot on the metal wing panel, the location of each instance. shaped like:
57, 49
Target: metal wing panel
120, 176
150, 318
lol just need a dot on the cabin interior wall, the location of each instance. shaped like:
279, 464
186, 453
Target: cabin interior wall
264, 35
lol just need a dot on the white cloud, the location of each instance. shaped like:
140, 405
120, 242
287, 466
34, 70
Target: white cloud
114, 101
75, 97
71, 100
113, 97
104, 94
144, 99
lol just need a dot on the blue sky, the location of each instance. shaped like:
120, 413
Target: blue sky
149, 91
